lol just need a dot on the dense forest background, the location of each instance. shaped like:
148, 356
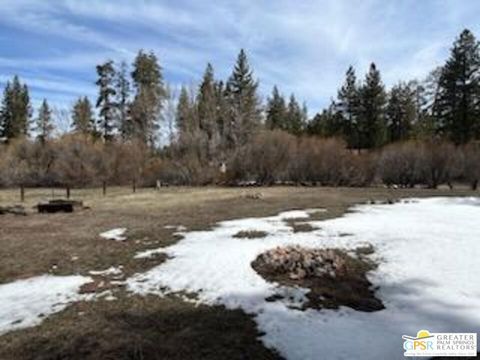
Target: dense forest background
418, 132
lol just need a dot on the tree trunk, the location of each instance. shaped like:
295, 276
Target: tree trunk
475, 184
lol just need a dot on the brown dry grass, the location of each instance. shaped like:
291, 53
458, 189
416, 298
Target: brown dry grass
135, 327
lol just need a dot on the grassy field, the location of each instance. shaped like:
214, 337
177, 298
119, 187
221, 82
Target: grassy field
136, 327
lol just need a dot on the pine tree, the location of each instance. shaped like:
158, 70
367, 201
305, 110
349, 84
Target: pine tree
44, 126
169, 115
304, 115
123, 91
83, 120
295, 117
15, 111
426, 125
276, 111
328, 123
222, 111
149, 95
244, 108
6, 117
458, 105
401, 112
184, 116
348, 108
315, 126
207, 109
371, 122
105, 100
25, 111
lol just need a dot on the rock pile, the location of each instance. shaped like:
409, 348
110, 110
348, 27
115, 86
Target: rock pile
332, 276
299, 263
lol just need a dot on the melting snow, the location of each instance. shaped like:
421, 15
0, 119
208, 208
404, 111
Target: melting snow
25, 303
115, 234
112, 271
428, 253
176, 227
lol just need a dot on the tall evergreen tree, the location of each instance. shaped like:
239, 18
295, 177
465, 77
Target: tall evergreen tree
244, 107
6, 117
315, 126
423, 127
426, 125
123, 92
348, 108
222, 111
149, 95
304, 116
184, 116
458, 104
207, 108
44, 126
83, 120
401, 112
15, 111
295, 119
105, 100
276, 111
371, 122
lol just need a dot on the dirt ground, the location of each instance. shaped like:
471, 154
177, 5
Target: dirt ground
135, 327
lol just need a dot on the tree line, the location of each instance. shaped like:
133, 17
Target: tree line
223, 121
445, 105
127, 106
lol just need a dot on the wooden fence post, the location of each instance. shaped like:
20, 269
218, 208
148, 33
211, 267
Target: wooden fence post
68, 192
22, 193
134, 184
104, 188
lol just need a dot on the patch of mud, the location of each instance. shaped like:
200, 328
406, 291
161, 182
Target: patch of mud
302, 227
250, 234
99, 285
382, 202
332, 277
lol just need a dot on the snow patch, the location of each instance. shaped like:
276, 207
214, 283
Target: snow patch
428, 253
115, 234
112, 271
178, 228
25, 303
149, 253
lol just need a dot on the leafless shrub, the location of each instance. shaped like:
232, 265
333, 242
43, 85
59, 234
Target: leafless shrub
271, 157
27, 163
265, 160
471, 164
79, 161
428, 163
328, 162
399, 164
437, 163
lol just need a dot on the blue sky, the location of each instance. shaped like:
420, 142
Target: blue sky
303, 46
